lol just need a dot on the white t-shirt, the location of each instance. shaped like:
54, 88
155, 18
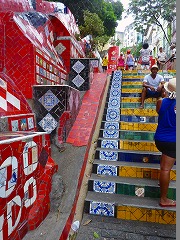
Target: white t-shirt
153, 82
162, 56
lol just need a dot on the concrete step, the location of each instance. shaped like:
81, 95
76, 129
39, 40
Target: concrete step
136, 145
139, 187
137, 99
126, 134
129, 208
130, 169
127, 155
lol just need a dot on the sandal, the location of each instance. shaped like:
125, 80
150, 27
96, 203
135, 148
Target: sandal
171, 203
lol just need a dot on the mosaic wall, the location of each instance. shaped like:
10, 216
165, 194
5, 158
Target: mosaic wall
80, 76
26, 171
51, 103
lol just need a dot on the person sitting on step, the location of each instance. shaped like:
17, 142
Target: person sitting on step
153, 86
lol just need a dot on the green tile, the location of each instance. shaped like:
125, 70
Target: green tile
129, 135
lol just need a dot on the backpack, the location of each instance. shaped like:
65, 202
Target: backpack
130, 61
145, 58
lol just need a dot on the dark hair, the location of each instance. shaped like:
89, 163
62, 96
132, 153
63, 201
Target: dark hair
145, 45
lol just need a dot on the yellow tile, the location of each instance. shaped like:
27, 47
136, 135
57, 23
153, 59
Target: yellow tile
133, 90
173, 175
167, 217
151, 216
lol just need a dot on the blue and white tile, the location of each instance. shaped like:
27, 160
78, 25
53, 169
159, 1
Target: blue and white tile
111, 134
112, 144
48, 123
113, 114
111, 125
102, 209
78, 81
115, 93
78, 67
108, 155
116, 85
107, 170
49, 100
114, 102
104, 187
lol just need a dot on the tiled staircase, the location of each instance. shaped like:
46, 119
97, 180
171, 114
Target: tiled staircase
124, 179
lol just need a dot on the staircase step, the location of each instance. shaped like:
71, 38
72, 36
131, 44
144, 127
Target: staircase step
137, 99
132, 83
140, 187
127, 155
129, 208
137, 105
137, 145
139, 112
142, 119
133, 170
126, 134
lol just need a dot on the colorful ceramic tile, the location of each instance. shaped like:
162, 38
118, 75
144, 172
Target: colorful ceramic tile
103, 209
14, 125
110, 134
113, 114
112, 144
49, 100
104, 187
108, 155
30, 123
111, 125
48, 123
114, 102
23, 124
107, 170
78, 81
78, 67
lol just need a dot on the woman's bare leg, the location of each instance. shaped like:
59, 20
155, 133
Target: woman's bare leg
165, 168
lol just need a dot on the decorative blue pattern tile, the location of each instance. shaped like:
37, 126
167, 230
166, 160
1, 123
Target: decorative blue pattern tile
115, 93
108, 155
116, 85
49, 100
111, 125
113, 144
48, 123
78, 67
113, 114
104, 187
110, 134
103, 209
78, 81
114, 102
107, 170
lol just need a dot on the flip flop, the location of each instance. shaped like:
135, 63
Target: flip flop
172, 204
141, 107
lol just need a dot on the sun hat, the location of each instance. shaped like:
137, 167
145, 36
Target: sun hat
170, 86
155, 66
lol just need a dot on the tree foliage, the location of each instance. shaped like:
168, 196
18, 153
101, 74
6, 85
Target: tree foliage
109, 12
93, 25
150, 12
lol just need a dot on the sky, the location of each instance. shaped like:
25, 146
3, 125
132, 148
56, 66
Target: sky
125, 21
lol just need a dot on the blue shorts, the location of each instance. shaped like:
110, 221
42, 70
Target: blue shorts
153, 94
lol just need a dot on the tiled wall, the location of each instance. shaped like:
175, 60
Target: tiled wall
80, 74
26, 171
51, 103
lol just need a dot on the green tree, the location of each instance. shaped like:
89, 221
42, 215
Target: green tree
150, 12
109, 12
93, 25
